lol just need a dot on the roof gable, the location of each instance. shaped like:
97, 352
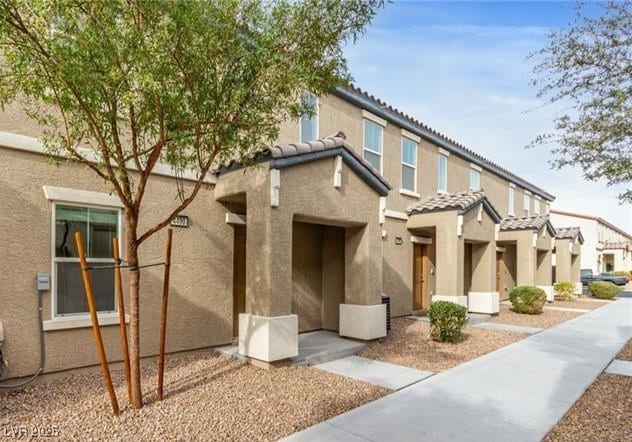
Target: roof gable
462, 202
536, 222
569, 233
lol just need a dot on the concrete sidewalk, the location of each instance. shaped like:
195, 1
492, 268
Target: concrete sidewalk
516, 393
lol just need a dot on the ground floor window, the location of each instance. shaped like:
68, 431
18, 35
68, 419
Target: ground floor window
98, 226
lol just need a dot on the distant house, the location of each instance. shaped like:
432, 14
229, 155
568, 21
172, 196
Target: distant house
606, 248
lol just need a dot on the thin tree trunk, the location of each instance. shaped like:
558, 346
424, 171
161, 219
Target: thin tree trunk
131, 222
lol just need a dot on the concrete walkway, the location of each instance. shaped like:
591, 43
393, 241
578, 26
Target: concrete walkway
391, 376
516, 393
509, 327
618, 366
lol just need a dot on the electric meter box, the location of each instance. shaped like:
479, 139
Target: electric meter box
43, 281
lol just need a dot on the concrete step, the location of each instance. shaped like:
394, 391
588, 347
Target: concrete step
324, 346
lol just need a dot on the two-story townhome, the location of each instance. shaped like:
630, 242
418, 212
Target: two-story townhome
356, 202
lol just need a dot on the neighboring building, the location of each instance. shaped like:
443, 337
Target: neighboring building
606, 247
309, 240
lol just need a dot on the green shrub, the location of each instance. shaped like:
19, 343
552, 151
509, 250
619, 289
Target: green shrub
446, 321
527, 299
564, 291
603, 289
623, 273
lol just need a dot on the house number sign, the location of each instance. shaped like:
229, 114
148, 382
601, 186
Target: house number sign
180, 221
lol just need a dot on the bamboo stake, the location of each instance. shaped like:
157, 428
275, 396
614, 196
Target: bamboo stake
123, 326
98, 341
163, 319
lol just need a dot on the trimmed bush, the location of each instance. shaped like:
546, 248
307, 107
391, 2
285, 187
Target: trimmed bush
564, 291
603, 289
527, 299
446, 321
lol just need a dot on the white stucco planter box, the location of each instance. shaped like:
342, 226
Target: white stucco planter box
550, 293
268, 338
579, 288
461, 300
364, 322
483, 302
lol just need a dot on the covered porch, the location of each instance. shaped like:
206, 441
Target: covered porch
311, 255
456, 235
567, 266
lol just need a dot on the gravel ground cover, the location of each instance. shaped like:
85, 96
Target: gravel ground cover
409, 344
626, 353
602, 414
579, 303
547, 318
207, 397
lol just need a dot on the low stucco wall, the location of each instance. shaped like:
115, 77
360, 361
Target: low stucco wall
200, 308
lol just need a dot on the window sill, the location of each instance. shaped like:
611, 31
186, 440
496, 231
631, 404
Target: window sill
442, 192
81, 322
409, 193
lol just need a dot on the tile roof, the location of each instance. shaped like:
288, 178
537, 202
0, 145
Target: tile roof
387, 111
447, 201
336, 141
535, 222
567, 232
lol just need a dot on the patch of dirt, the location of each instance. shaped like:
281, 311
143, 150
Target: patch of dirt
546, 319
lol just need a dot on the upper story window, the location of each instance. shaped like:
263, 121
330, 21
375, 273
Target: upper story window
511, 209
536, 205
98, 227
547, 207
373, 144
526, 202
475, 177
409, 164
309, 121
442, 172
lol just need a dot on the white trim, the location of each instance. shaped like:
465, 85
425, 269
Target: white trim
83, 321
511, 200
439, 189
496, 231
338, 172
300, 126
235, 218
34, 145
64, 194
512, 185
411, 136
459, 225
476, 167
382, 210
409, 193
444, 152
374, 118
538, 197
527, 192
501, 249
395, 214
420, 240
275, 187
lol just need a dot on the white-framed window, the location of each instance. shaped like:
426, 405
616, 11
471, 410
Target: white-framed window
526, 202
511, 210
98, 225
537, 205
409, 164
309, 121
442, 173
373, 144
547, 207
475, 179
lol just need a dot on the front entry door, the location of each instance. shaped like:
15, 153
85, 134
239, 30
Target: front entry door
239, 276
500, 274
420, 277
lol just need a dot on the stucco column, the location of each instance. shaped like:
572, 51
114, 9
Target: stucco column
544, 270
562, 261
483, 267
363, 265
525, 259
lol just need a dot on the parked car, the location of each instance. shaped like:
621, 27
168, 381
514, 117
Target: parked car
610, 276
586, 276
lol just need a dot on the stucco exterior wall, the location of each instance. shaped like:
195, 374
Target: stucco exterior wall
398, 267
307, 275
200, 308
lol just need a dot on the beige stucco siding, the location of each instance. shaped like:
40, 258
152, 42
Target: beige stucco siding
200, 308
398, 267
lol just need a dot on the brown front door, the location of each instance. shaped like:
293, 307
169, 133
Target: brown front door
500, 274
239, 276
420, 277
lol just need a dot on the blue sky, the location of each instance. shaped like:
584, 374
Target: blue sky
462, 68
